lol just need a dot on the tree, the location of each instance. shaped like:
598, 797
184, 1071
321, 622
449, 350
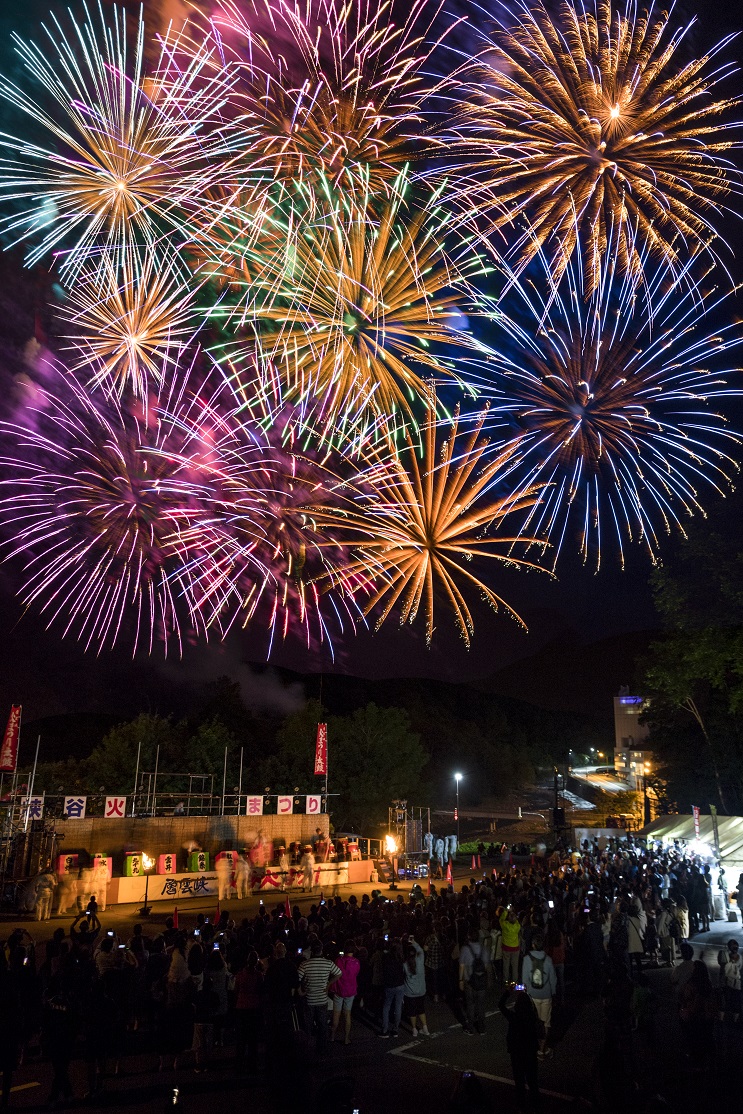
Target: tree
113, 763
375, 757
694, 675
686, 675
204, 749
293, 762
71, 775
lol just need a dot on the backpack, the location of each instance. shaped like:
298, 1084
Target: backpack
478, 979
536, 976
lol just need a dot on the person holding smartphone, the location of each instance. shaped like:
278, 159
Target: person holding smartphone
393, 981
344, 991
522, 1042
510, 944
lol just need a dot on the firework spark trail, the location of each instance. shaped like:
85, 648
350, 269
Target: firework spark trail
336, 91
127, 152
130, 319
424, 518
97, 510
589, 117
609, 393
267, 551
353, 311
252, 197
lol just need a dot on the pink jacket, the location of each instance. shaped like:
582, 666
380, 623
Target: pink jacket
345, 986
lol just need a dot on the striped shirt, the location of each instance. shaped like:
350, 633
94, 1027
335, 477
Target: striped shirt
315, 974
437, 955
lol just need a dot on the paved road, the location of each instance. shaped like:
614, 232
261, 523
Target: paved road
405, 1075
606, 782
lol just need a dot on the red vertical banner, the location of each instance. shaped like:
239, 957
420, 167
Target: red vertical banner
9, 748
695, 810
321, 750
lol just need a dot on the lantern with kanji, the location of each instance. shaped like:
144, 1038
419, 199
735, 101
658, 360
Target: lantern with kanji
198, 861
104, 860
133, 865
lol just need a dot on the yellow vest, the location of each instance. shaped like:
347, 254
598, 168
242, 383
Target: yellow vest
510, 931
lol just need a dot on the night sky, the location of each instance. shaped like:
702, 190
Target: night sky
50, 675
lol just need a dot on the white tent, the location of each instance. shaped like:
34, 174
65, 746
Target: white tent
730, 830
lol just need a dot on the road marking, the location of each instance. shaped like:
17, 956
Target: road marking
483, 1074
402, 1052
436, 1033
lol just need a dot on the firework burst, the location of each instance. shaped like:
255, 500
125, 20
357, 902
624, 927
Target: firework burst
609, 394
127, 152
354, 310
95, 509
425, 519
129, 318
333, 91
266, 551
254, 195
588, 121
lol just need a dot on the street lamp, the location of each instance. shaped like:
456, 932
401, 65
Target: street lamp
457, 778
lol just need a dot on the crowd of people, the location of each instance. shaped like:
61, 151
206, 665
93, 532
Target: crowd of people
280, 986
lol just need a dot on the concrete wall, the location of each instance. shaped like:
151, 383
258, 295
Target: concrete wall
160, 835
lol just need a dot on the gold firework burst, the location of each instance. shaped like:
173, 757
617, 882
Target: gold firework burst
127, 153
426, 519
130, 318
353, 310
588, 121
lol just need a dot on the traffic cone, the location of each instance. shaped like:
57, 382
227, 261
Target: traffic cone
473, 867
175, 917
287, 909
479, 864
449, 875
